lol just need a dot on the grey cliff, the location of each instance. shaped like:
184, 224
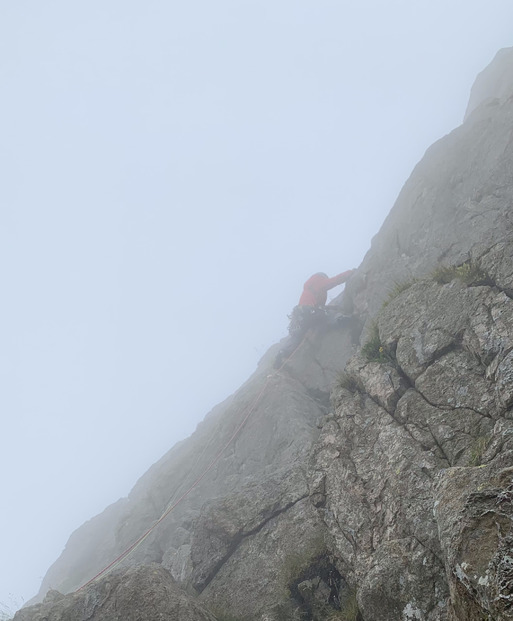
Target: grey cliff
371, 477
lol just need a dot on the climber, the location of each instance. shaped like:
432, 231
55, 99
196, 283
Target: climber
311, 310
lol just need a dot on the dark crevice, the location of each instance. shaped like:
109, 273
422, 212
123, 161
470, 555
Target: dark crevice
453, 346
406, 378
419, 443
492, 282
404, 425
435, 554
238, 539
440, 448
349, 537
379, 405
427, 429
507, 292
427, 473
449, 408
320, 592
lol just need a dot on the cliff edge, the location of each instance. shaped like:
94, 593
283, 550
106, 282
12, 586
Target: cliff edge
371, 477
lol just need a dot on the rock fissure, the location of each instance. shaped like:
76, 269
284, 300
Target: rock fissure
440, 448
452, 408
427, 547
238, 539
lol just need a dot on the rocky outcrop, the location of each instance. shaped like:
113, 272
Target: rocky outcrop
494, 85
456, 204
370, 478
229, 486
414, 467
146, 592
473, 509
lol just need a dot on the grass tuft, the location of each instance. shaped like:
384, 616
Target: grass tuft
470, 273
374, 350
477, 450
348, 382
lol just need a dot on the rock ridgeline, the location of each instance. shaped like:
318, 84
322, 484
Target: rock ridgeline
373, 480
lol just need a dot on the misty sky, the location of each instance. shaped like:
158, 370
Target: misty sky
170, 174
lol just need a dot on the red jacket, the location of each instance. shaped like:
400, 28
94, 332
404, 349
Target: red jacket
315, 291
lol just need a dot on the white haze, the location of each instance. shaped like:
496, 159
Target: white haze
171, 173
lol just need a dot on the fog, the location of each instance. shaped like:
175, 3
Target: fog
171, 173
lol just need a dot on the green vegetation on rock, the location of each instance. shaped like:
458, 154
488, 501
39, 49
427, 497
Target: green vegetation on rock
477, 449
348, 382
470, 273
374, 350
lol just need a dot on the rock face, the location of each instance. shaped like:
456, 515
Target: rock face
494, 85
415, 465
241, 487
371, 477
146, 592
